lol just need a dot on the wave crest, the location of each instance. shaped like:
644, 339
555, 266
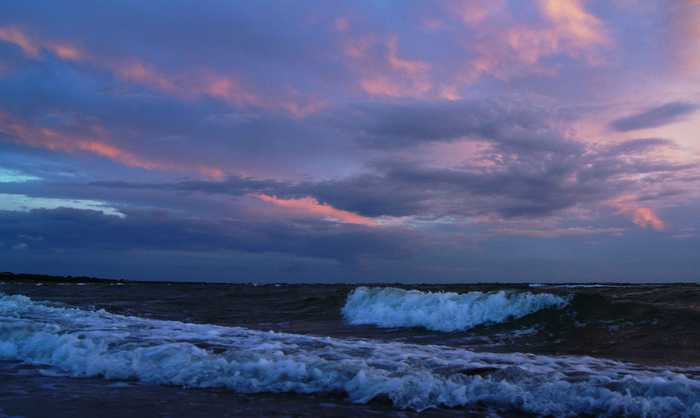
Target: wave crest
444, 311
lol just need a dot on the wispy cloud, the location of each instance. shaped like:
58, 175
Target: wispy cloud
656, 116
94, 140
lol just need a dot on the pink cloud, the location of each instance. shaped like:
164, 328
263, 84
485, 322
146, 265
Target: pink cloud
228, 89
388, 74
572, 23
406, 66
138, 72
311, 206
357, 48
187, 85
475, 11
643, 216
301, 106
66, 51
381, 87
231, 90
32, 46
518, 49
501, 48
341, 24
14, 35
95, 140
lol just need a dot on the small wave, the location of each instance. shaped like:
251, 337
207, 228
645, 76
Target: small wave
443, 311
85, 343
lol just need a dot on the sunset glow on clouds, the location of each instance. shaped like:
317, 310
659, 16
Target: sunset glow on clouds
642, 216
311, 206
360, 140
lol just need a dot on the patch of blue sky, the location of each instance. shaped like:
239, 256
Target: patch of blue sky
12, 176
20, 202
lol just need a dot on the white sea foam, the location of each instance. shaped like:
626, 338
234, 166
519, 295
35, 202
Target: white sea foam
441, 311
96, 343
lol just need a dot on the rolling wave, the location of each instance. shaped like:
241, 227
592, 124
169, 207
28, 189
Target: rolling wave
443, 311
77, 342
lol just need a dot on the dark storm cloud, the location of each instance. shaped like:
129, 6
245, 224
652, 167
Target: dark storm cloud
656, 116
63, 228
409, 189
510, 124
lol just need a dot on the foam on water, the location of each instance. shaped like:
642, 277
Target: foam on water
96, 343
441, 311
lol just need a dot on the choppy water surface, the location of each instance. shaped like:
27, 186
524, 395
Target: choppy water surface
334, 350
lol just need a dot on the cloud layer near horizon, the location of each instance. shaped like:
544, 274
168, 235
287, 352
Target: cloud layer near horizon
451, 140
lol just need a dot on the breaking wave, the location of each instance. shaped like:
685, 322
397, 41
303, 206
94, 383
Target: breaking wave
76, 342
443, 311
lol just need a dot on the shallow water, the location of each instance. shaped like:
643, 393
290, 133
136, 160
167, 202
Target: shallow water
131, 343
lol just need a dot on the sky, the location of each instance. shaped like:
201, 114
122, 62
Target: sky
363, 141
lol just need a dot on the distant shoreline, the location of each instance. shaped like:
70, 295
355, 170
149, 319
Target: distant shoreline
28, 277
47, 278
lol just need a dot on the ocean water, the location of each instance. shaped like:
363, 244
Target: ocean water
135, 349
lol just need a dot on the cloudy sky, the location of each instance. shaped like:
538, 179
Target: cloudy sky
484, 140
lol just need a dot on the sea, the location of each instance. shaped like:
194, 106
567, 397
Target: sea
134, 349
